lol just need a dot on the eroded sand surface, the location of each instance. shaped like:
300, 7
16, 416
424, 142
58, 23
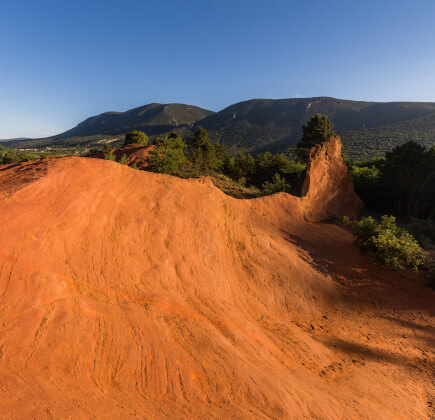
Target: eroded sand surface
125, 293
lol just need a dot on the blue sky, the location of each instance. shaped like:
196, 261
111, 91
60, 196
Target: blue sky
62, 61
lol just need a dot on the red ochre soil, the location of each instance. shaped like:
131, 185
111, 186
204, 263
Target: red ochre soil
126, 294
328, 184
136, 154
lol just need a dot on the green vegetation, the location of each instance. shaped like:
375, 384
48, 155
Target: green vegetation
388, 243
110, 156
237, 189
277, 184
168, 154
123, 160
368, 129
8, 156
373, 142
136, 137
241, 175
203, 154
315, 132
402, 183
70, 145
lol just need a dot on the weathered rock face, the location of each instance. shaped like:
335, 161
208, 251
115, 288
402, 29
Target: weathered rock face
328, 185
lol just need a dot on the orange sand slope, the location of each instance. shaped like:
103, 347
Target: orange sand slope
125, 293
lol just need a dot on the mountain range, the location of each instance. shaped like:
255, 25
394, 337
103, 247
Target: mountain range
367, 129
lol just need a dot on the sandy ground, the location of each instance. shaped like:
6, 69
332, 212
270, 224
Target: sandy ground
130, 294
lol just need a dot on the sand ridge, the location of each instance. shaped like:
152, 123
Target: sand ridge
125, 293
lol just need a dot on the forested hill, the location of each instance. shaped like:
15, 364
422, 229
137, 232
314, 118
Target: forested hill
152, 118
368, 129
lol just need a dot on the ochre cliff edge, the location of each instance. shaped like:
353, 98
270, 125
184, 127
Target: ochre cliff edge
328, 185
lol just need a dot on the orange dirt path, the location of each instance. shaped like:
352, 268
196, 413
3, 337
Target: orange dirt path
131, 294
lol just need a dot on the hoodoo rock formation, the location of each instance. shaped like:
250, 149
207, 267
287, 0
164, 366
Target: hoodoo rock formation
328, 185
130, 294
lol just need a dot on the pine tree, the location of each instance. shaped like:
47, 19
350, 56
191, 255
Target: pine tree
317, 131
123, 160
168, 154
110, 156
136, 137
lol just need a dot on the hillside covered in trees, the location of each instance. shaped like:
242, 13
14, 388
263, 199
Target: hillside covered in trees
367, 129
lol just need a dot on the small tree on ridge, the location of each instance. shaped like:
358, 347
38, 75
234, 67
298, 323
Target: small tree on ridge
317, 131
136, 137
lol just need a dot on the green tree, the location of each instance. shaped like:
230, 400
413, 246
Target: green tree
136, 137
8, 156
203, 153
408, 178
168, 154
268, 164
316, 131
367, 181
110, 156
107, 147
123, 160
277, 184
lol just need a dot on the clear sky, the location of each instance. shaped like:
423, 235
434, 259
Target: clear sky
62, 61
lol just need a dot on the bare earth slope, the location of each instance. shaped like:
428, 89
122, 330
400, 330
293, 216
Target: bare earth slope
125, 293
328, 184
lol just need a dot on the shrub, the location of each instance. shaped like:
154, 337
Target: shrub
278, 184
242, 181
110, 156
8, 156
107, 147
136, 137
168, 154
123, 160
92, 152
388, 243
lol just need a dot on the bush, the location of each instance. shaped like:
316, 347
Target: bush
136, 137
168, 154
388, 243
8, 156
123, 160
110, 156
92, 152
278, 184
